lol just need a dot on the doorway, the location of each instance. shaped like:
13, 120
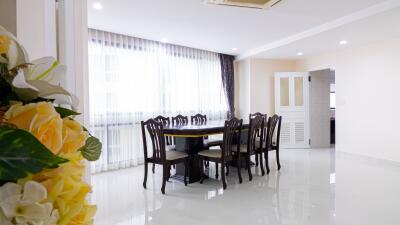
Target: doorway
322, 108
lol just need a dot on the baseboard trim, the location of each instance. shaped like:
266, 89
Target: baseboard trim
367, 158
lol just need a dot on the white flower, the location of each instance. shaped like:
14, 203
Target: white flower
40, 78
16, 54
4, 220
27, 206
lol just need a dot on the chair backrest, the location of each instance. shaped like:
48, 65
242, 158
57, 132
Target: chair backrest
198, 119
165, 122
274, 125
180, 120
265, 117
232, 128
256, 129
156, 132
258, 114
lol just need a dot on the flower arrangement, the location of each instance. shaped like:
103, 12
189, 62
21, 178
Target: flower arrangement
42, 148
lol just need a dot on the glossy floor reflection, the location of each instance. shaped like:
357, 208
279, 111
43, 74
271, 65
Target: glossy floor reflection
315, 187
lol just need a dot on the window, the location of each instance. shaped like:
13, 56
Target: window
132, 79
333, 96
333, 100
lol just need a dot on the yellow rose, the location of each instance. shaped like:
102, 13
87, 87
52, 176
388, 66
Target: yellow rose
4, 44
68, 192
85, 217
73, 136
40, 119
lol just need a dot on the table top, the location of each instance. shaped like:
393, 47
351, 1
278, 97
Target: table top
211, 127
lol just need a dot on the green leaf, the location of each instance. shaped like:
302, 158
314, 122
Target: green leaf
3, 59
64, 112
92, 149
21, 154
9, 125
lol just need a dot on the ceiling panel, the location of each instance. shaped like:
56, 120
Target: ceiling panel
213, 27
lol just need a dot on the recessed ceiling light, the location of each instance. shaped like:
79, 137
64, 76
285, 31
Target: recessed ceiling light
343, 42
234, 49
97, 6
300, 53
164, 40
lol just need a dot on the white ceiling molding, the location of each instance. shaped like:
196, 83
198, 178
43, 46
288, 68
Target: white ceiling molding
365, 13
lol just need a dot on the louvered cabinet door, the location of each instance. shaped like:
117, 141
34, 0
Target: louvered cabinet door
291, 102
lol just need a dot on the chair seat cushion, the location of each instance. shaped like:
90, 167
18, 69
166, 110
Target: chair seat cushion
173, 155
258, 142
170, 147
212, 142
215, 153
243, 148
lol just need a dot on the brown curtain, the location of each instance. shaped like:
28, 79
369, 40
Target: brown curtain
228, 81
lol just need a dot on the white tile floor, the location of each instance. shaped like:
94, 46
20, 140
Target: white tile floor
315, 187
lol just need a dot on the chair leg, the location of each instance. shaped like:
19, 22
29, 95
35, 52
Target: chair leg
261, 164
145, 174
266, 161
227, 169
249, 167
223, 175
169, 173
239, 168
216, 170
154, 168
186, 171
165, 178
201, 163
277, 159
256, 160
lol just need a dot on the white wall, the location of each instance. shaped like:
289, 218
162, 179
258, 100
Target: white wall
36, 27
242, 88
263, 83
33, 22
367, 97
73, 47
254, 85
8, 17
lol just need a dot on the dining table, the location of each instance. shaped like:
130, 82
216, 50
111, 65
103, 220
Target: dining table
189, 138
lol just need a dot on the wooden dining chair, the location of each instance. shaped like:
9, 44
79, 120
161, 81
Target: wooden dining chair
165, 122
257, 114
180, 120
224, 154
255, 136
273, 139
169, 141
265, 116
160, 155
198, 119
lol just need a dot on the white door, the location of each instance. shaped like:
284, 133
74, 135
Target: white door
292, 103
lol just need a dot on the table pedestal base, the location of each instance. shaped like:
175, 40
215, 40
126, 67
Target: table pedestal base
191, 146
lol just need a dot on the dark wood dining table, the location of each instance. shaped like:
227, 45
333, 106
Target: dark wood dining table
189, 138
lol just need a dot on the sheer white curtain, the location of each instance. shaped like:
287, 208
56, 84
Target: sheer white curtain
132, 79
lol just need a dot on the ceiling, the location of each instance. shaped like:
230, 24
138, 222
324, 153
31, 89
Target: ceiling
272, 33
376, 28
